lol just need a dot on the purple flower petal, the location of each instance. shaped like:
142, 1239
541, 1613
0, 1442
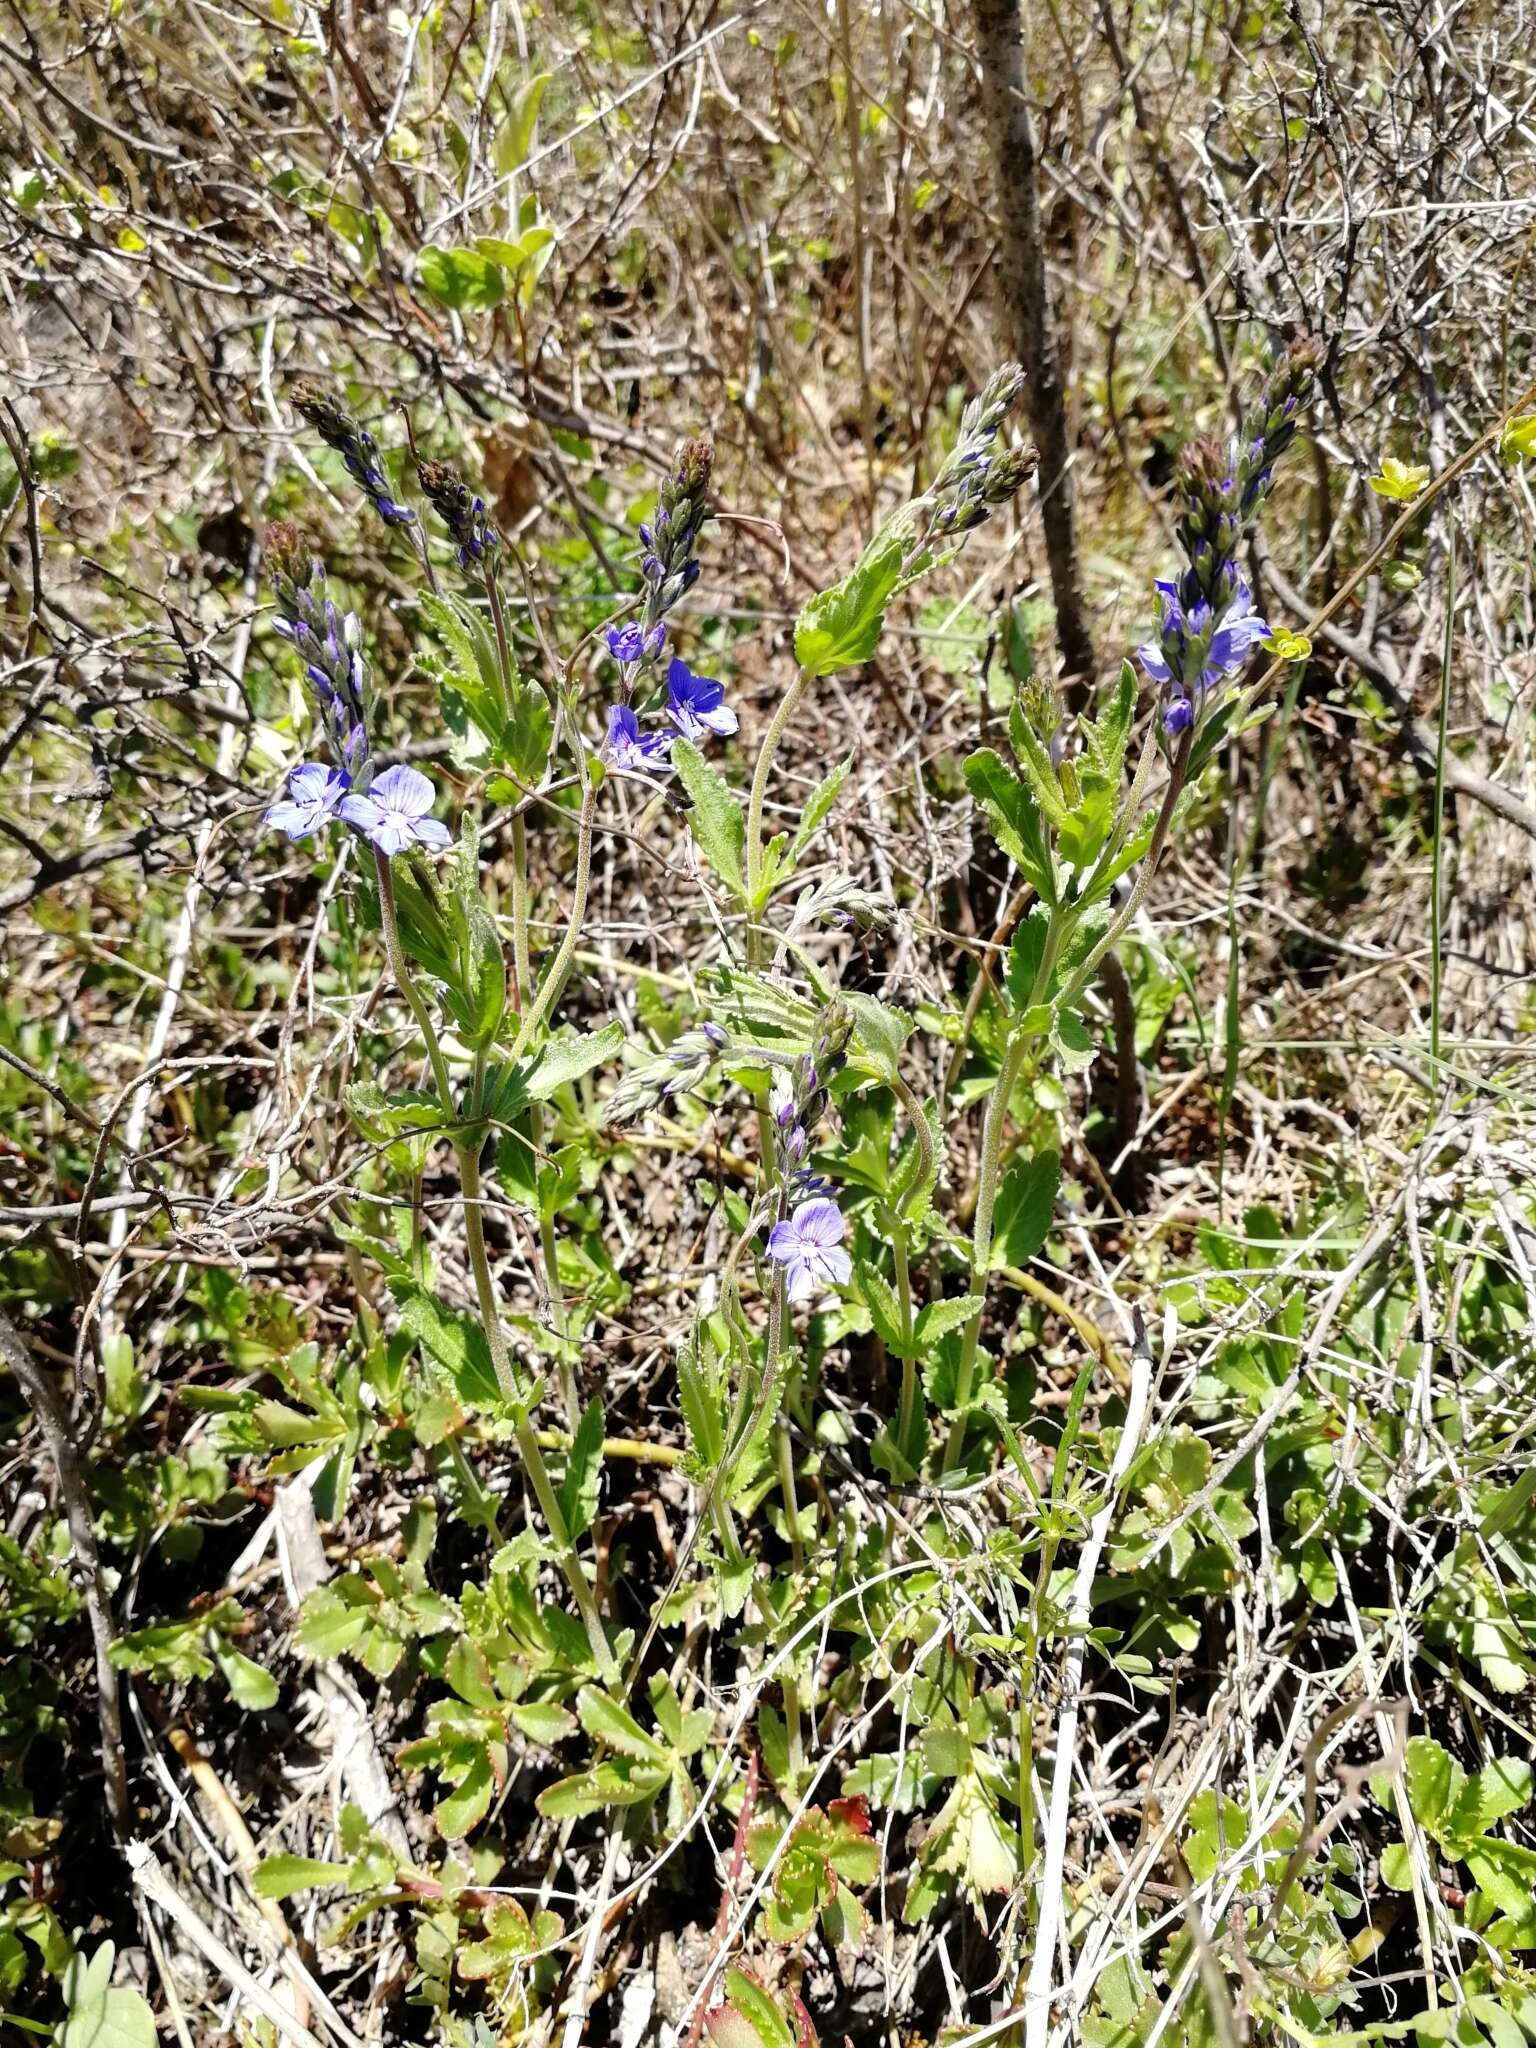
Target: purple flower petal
315, 796
695, 704
394, 813
808, 1247
820, 1223
628, 747
1151, 659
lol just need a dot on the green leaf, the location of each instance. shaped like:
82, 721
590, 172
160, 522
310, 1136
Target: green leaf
542, 1721
470, 1800
122, 2020
580, 1487
842, 1919
701, 1399
528, 733
455, 1341
279, 1877
880, 1031
746, 2000
1026, 956
939, 1317
1072, 1042
615, 1784
1014, 817
516, 134
249, 1685
1505, 1871
1499, 1788
1033, 755
330, 1624
901, 1461
607, 1722
818, 803
716, 819
1026, 1201
1105, 737
1435, 1781
841, 627
567, 1058
103, 2014
1081, 835
477, 998
883, 1310
457, 278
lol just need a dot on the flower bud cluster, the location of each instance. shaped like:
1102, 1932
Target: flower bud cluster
683, 1065
330, 644
670, 562
978, 474
462, 511
1282, 399
357, 448
1207, 623
799, 1098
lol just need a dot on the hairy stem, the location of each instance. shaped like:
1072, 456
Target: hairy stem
520, 962
1178, 769
922, 1177
399, 967
554, 975
778, 725
468, 1155
993, 1125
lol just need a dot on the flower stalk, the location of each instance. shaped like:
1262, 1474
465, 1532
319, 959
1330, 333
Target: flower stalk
466, 1153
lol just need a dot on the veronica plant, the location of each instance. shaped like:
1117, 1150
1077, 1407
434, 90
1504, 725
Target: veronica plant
485, 1022
1066, 818
839, 1207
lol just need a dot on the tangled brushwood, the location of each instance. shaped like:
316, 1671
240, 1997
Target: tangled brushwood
767, 1254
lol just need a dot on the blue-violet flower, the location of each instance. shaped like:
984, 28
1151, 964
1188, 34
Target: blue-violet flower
1192, 655
632, 642
314, 798
809, 1246
629, 747
696, 704
395, 814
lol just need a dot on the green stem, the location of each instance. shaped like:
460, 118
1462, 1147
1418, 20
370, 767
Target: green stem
576, 1578
787, 1492
923, 1139
520, 959
467, 1155
503, 649
993, 1125
389, 919
549, 1252
908, 1405
777, 726
1178, 769
1437, 866
522, 968
559, 967
522, 1427
1013, 1059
